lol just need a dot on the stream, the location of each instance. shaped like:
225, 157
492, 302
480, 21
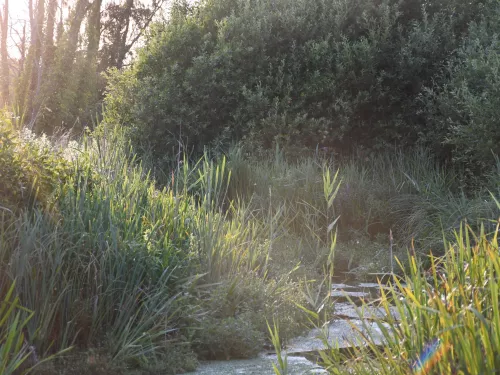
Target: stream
340, 332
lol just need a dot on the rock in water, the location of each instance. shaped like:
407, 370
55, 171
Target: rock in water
340, 334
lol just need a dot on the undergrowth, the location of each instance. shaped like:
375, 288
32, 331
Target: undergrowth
132, 274
127, 268
443, 319
409, 193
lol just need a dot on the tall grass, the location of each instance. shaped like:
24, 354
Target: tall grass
112, 263
131, 268
440, 320
13, 349
408, 192
281, 368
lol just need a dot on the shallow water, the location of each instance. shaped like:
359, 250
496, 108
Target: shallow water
339, 333
262, 365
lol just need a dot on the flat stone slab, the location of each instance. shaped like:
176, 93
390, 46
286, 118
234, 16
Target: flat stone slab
342, 286
262, 365
377, 286
347, 293
344, 294
357, 291
348, 311
370, 285
340, 333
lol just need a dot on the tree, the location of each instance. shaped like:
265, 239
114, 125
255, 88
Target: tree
5, 71
123, 25
88, 93
64, 46
37, 20
340, 74
49, 48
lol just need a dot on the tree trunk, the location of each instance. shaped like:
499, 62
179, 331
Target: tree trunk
5, 71
22, 49
74, 31
31, 11
36, 39
88, 91
60, 24
49, 49
94, 31
36, 61
122, 48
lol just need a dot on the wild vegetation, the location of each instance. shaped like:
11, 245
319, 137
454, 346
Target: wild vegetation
192, 199
133, 271
339, 74
442, 319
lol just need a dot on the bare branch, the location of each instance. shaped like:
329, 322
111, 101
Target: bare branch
146, 24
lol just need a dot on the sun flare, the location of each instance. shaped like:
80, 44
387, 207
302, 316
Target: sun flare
18, 10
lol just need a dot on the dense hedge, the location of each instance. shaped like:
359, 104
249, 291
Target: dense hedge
334, 73
464, 112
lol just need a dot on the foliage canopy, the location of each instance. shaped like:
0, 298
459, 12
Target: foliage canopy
334, 73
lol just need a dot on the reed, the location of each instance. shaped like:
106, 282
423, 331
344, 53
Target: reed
443, 319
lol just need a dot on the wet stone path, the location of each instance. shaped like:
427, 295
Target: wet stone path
340, 332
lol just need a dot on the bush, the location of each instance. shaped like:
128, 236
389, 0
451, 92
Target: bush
465, 107
31, 169
298, 73
236, 314
228, 338
10, 171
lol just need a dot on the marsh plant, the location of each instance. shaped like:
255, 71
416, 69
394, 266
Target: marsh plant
441, 319
108, 259
122, 265
13, 351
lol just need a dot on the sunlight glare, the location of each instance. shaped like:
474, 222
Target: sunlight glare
18, 10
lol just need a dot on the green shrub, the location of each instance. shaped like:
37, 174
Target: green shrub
236, 314
464, 108
228, 338
31, 169
298, 73
10, 171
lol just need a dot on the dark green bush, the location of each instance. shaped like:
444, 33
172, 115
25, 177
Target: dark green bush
10, 168
328, 72
229, 338
464, 112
